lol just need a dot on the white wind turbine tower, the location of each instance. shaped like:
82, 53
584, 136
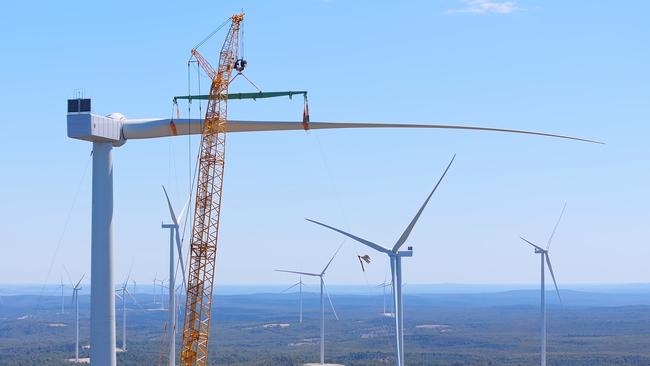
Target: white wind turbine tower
395, 256
75, 299
121, 293
322, 302
545, 258
174, 236
299, 283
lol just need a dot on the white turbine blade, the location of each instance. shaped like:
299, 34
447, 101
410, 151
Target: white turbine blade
330, 300
531, 243
131, 296
292, 286
550, 268
118, 295
301, 273
180, 214
330, 262
548, 245
171, 210
81, 279
160, 127
409, 228
69, 277
179, 248
374, 246
128, 276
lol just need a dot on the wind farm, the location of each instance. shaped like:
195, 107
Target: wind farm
462, 122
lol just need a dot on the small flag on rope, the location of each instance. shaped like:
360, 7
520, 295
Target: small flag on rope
305, 116
363, 258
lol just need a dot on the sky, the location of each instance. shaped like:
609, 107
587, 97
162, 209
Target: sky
577, 68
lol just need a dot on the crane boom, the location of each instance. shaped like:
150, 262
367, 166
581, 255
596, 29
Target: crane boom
205, 228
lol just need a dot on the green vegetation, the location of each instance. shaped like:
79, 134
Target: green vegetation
440, 330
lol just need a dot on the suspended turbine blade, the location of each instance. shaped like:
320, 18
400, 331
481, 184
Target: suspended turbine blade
160, 127
292, 286
330, 262
409, 228
550, 268
330, 300
301, 273
548, 245
374, 246
531, 243
171, 210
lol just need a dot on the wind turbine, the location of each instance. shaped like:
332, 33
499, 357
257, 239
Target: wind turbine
62, 298
384, 285
114, 130
124, 291
322, 302
75, 299
545, 258
174, 234
395, 256
155, 281
299, 283
162, 293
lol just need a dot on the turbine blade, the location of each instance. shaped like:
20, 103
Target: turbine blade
128, 276
531, 243
548, 245
409, 228
292, 286
179, 249
330, 300
180, 214
330, 262
550, 268
301, 273
81, 279
68, 274
171, 210
374, 246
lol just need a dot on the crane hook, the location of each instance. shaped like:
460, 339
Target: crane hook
240, 65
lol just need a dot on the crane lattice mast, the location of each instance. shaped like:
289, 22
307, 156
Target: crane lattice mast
205, 229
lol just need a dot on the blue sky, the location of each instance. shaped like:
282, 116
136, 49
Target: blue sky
577, 68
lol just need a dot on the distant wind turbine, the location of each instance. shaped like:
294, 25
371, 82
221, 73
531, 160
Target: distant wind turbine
384, 285
322, 302
121, 293
62, 298
155, 281
299, 283
395, 256
545, 258
174, 235
75, 299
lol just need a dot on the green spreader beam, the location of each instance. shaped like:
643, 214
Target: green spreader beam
258, 95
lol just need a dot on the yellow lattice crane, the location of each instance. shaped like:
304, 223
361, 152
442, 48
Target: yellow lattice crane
205, 228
